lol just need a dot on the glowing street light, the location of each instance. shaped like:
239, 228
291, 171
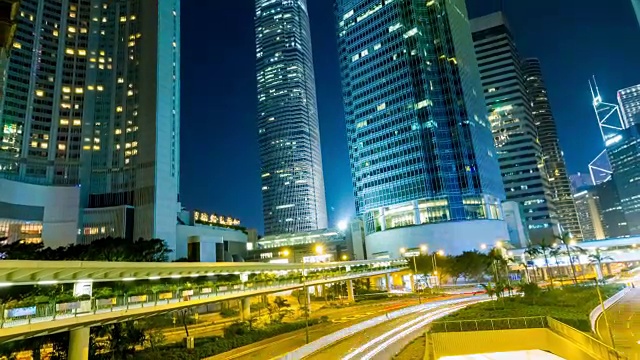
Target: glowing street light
285, 252
403, 250
345, 258
342, 225
423, 248
441, 252
319, 249
499, 244
483, 246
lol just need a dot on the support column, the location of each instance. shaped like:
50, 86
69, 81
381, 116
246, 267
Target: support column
388, 281
412, 279
350, 297
79, 344
383, 220
608, 266
245, 308
308, 304
416, 213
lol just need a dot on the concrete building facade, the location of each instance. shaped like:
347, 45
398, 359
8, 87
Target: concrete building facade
513, 126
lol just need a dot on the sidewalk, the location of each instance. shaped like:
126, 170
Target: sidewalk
624, 319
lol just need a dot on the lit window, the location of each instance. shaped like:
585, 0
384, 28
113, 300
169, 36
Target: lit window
77, 122
118, 131
64, 122
79, 90
119, 109
62, 147
120, 80
70, 51
39, 93
66, 89
130, 93
100, 88
82, 52
123, 19
17, 45
382, 106
72, 29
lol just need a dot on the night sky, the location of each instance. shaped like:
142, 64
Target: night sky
220, 165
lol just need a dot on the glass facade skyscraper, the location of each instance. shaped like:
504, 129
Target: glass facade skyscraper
420, 145
629, 105
288, 131
93, 99
624, 154
552, 155
513, 125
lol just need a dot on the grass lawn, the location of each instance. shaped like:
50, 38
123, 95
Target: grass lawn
570, 305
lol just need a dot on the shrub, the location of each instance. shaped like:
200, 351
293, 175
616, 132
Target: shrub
227, 313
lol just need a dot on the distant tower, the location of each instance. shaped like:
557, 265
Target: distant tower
610, 124
288, 131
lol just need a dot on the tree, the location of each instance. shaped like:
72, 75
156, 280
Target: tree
597, 259
533, 251
566, 239
473, 264
107, 249
530, 290
555, 252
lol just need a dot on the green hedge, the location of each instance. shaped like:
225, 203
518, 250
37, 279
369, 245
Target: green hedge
206, 347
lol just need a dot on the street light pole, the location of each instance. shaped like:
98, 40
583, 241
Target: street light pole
415, 281
306, 300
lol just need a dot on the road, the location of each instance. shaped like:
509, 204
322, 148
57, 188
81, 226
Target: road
624, 319
339, 319
385, 340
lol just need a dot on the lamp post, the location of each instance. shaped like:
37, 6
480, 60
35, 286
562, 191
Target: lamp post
413, 254
319, 250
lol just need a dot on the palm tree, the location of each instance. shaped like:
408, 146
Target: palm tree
555, 252
545, 247
566, 239
532, 251
597, 259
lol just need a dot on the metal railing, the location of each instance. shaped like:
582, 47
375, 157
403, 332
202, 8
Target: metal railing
19, 316
587, 343
590, 344
530, 322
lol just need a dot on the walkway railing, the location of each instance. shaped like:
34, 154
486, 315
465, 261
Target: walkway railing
591, 345
530, 322
19, 316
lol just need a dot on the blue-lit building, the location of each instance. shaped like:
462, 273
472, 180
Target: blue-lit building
624, 155
423, 162
288, 131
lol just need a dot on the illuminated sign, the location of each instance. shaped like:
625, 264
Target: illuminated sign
200, 217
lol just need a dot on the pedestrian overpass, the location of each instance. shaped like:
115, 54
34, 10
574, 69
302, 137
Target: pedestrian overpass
79, 315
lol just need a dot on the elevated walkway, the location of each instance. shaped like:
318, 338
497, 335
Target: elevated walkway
21, 323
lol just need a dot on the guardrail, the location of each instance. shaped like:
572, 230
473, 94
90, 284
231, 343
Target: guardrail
19, 316
595, 313
590, 344
530, 322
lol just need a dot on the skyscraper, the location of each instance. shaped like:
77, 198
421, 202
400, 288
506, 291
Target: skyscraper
423, 162
624, 154
93, 100
589, 214
288, 131
513, 125
629, 105
553, 158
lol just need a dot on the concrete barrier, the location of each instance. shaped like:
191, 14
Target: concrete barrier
595, 313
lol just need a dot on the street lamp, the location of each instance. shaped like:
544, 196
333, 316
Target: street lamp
319, 249
403, 251
345, 258
285, 253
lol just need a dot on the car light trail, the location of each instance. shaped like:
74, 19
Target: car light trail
423, 321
